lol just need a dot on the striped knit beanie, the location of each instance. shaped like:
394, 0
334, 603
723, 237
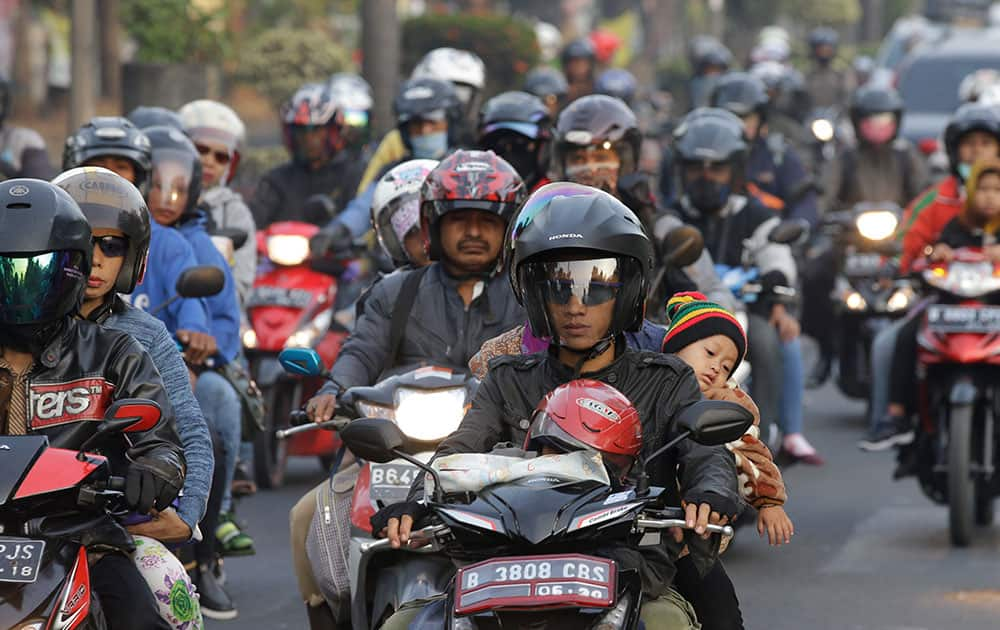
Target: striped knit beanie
692, 317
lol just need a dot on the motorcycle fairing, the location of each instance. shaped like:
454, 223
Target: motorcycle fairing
17, 455
57, 469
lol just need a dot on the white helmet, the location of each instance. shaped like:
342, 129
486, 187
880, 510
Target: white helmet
550, 41
973, 85
213, 121
463, 68
351, 91
396, 206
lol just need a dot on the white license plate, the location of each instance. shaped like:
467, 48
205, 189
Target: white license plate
20, 559
862, 264
963, 319
565, 580
390, 483
279, 296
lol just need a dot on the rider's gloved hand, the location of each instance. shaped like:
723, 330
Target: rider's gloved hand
396, 521
330, 240
151, 483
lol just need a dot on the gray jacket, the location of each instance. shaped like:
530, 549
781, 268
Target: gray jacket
228, 210
440, 330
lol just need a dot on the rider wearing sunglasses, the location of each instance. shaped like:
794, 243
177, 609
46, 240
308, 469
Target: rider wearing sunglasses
218, 135
579, 262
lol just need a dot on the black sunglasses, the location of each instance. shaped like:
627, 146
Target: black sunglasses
112, 246
595, 293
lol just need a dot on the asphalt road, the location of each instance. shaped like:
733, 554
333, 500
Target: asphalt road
868, 554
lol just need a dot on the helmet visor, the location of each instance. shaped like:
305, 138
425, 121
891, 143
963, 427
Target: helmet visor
592, 282
39, 287
173, 171
527, 129
399, 217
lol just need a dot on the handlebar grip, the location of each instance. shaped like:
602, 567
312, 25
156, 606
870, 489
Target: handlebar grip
116, 483
298, 417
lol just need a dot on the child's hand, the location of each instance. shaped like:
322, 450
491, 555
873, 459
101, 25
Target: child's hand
992, 253
942, 253
776, 523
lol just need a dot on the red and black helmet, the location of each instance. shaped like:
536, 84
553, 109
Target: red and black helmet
588, 415
468, 180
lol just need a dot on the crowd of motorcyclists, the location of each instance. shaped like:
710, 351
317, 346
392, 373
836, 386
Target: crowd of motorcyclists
525, 237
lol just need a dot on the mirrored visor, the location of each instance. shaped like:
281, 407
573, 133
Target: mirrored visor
592, 282
39, 287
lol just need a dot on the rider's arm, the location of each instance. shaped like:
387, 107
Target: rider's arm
702, 273
189, 313
356, 217
266, 203
245, 258
797, 189
775, 260
390, 149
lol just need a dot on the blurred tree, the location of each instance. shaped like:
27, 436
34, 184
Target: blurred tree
174, 31
278, 61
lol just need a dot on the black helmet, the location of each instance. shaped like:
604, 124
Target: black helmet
594, 120
110, 136
968, 118
617, 82
545, 82
710, 135
706, 51
45, 256
516, 125
563, 219
428, 98
111, 201
823, 36
174, 158
154, 116
740, 93
581, 48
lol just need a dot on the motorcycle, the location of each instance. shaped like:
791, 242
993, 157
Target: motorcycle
56, 505
526, 572
866, 297
958, 369
427, 404
294, 303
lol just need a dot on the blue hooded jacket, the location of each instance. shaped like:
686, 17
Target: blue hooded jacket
169, 255
224, 307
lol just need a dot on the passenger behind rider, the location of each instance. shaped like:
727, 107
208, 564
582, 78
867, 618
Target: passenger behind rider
118, 145
45, 260
312, 124
428, 117
517, 127
711, 152
978, 227
972, 134
579, 262
172, 199
218, 134
880, 168
119, 222
462, 299
579, 65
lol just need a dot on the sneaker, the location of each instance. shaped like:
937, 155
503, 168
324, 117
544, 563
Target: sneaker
891, 432
214, 600
233, 541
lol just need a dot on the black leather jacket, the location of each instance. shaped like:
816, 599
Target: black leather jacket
659, 385
77, 377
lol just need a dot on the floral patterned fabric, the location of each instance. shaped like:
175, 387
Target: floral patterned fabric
170, 584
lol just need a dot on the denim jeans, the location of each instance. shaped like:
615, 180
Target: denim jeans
793, 386
221, 406
883, 348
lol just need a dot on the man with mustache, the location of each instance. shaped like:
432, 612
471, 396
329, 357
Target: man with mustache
453, 305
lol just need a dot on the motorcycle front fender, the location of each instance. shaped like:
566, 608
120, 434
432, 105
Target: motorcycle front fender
415, 576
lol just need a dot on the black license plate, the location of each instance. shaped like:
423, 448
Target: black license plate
279, 296
963, 319
390, 483
565, 580
20, 559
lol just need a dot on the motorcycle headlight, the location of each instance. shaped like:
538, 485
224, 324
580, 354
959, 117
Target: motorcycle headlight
249, 338
899, 300
855, 302
287, 250
877, 225
311, 333
429, 416
371, 410
822, 129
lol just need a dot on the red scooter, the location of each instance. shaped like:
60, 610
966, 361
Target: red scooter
293, 305
958, 369
55, 504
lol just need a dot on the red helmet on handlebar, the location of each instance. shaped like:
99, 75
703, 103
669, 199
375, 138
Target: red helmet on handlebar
588, 415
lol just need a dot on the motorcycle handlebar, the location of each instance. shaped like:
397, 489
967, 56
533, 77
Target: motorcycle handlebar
334, 424
116, 483
667, 523
427, 534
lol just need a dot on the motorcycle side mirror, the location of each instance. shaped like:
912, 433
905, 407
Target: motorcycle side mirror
714, 422
789, 231
682, 246
319, 209
380, 440
201, 281
302, 362
237, 236
127, 415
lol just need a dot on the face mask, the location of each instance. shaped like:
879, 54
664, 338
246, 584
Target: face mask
878, 129
431, 146
964, 170
706, 195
